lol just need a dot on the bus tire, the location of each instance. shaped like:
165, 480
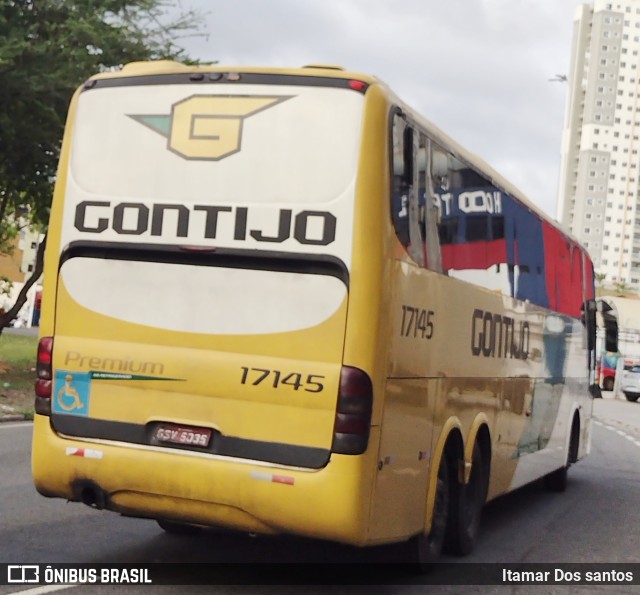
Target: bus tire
466, 506
556, 481
425, 549
176, 528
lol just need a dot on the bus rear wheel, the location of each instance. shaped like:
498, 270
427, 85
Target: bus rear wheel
466, 507
556, 481
425, 549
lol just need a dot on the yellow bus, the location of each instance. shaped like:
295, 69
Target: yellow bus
281, 301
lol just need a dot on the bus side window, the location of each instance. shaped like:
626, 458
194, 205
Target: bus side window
399, 186
416, 214
430, 206
405, 208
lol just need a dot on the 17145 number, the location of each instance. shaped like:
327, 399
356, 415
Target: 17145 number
278, 379
417, 322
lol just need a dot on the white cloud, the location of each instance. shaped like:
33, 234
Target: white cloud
478, 69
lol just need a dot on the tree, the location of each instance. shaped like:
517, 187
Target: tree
48, 48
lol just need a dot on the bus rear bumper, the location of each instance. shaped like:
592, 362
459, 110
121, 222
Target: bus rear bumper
330, 503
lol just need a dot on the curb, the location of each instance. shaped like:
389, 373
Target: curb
12, 417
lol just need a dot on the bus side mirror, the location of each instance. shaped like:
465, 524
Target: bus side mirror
611, 335
610, 326
589, 320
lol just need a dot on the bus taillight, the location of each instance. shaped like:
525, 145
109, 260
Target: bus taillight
353, 412
44, 376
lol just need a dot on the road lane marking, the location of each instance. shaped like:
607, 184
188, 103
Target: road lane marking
630, 438
45, 589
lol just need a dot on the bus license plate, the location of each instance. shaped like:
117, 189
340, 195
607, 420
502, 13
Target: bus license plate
181, 435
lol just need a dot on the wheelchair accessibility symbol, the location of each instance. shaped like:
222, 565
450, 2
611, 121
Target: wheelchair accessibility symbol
71, 392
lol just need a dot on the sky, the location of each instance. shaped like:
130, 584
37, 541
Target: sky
479, 70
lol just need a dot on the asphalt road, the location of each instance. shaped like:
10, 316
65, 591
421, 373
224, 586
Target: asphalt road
596, 520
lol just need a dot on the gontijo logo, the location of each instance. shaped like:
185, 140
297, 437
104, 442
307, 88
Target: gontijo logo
207, 127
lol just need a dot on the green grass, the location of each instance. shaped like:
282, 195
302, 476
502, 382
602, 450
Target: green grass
17, 374
17, 361
18, 350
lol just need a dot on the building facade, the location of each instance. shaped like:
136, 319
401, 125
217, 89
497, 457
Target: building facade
599, 192
18, 266
15, 269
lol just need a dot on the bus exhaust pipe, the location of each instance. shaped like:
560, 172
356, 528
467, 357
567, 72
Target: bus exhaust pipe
91, 494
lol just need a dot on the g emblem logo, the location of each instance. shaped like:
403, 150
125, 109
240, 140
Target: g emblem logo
208, 127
